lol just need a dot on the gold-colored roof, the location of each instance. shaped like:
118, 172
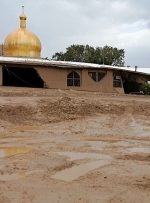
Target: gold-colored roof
22, 43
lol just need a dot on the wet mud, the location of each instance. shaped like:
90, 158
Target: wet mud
73, 147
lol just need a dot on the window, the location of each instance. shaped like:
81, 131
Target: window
97, 76
117, 81
73, 79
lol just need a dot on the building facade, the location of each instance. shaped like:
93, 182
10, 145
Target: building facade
27, 72
21, 65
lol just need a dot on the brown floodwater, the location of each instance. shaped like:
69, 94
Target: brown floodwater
139, 150
11, 151
16, 176
72, 156
94, 161
77, 171
10, 177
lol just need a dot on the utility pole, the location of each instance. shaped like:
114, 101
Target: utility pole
103, 56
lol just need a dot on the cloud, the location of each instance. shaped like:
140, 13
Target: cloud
60, 23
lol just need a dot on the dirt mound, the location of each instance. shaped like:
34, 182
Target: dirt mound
58, 108
36, 148
16, 114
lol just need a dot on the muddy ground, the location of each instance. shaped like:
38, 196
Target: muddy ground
73, 147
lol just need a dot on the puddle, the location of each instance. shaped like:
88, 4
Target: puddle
121, 144
73, 173
79, 156
97, 145
139, 150
11, 151
78, 171
94, 145
12, 177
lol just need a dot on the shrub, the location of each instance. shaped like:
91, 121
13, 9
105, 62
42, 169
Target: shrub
146, 88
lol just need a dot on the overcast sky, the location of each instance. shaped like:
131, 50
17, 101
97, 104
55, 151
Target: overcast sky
59, 23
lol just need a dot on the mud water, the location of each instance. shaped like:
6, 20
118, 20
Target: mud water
73, 147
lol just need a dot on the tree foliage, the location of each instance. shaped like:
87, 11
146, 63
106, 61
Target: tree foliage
100, 55
146, 88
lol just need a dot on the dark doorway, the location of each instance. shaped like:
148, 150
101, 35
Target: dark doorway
131, 86
21, 77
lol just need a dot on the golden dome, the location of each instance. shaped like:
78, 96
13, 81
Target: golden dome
22, 43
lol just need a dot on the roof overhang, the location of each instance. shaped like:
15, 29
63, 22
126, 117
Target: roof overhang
64, 64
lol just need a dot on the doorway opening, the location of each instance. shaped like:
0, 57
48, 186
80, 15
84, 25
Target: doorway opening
131, 86
21, 77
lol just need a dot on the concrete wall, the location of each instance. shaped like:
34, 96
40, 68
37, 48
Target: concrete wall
104, 85
57, 78
53, 77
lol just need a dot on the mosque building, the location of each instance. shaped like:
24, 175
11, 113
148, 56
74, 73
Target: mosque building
21, 65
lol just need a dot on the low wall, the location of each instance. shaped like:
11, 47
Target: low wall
56, 78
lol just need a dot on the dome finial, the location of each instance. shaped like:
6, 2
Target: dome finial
23, 19
22, 43
23, 10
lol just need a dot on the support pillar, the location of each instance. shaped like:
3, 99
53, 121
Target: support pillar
1, 75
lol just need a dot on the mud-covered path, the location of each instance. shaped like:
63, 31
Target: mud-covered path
73, 147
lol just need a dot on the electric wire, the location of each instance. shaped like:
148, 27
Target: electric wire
19, 78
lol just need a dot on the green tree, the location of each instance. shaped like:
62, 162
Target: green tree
145, 88
100, 55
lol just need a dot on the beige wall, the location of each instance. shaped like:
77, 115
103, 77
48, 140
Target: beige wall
104, 85
57, 78
53, 77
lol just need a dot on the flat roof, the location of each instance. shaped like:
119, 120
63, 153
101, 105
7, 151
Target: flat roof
63, 64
